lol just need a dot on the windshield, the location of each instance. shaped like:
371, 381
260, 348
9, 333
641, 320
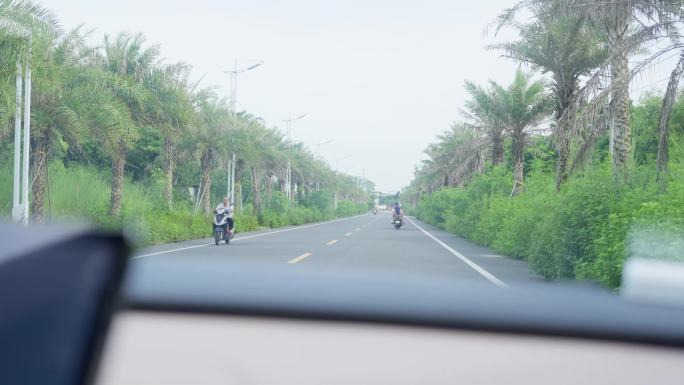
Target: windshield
501, 143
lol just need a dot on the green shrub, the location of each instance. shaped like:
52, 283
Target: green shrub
296, 215
245, 222
585, 231
348, 208
278, 202
322, 202
80, 193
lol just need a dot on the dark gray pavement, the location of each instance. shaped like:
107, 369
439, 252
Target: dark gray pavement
367, 244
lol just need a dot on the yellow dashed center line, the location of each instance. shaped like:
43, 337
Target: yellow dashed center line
334, 241
300, 258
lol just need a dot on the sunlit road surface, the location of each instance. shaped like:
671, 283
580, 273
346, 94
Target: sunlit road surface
367, 243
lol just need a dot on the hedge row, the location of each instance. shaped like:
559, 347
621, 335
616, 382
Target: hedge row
586, 231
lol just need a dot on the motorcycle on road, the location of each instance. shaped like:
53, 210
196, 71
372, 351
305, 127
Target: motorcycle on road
221, 231
397, 221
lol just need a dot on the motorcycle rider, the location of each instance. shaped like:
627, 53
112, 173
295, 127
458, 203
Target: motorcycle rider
397, 211
226, 208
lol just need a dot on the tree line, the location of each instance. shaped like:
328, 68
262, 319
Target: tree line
565, 118
116, 105
582, 50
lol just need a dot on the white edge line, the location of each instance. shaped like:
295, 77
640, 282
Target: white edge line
246, 237
170, 251
467, 261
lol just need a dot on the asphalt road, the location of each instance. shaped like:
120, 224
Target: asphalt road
367, 243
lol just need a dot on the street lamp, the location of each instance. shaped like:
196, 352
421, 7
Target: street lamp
233, 81
233, 103
318, 146
288, 123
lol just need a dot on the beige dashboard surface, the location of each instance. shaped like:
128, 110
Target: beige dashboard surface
168, 349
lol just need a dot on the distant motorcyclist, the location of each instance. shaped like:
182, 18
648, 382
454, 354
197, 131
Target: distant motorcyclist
397, 211
227, 209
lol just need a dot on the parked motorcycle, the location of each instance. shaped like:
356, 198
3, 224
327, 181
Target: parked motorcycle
221, 231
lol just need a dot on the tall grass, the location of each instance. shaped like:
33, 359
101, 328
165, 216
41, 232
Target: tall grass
81, 194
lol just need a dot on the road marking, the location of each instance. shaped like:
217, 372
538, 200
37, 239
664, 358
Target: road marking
300, 258
348, 234
491, 256
358, 229
334, 241
169, 251
467, 261
247, 237
371, 222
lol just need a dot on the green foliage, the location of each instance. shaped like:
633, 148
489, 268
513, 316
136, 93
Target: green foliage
349, 208
280, 213
278, 202
323, 202
78, 194
245, 222
117, 102
586, 231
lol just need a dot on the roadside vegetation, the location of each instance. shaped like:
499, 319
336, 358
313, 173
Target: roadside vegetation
561, 168
122, 139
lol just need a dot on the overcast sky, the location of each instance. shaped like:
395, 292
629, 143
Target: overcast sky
380, 78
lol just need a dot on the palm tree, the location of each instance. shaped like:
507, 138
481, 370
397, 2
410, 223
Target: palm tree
455, 158
663, 156
18, 15
485, 113
170, 110
209, 139
22, 25
70, 100
567, 49
127, 57
627, 26
263, 151
524, 105
55, 103
452, 161
18, 21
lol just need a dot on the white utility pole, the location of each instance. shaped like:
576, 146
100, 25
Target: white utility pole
20, 202
233, 108
288, 123
232, 184
230, 188
16, 207
27, 142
